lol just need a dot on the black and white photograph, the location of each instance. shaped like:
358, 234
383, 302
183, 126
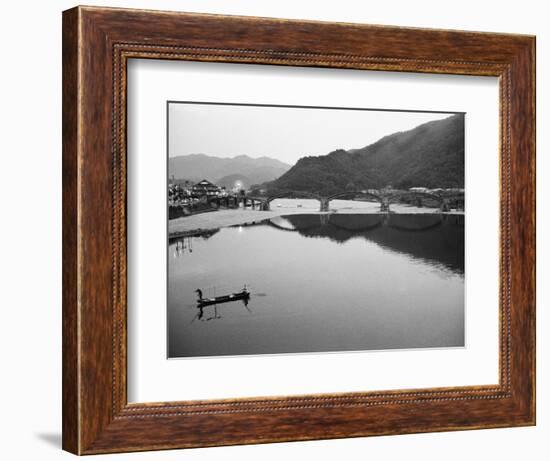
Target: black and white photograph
295, 229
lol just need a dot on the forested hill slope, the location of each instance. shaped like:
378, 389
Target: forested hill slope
430, 155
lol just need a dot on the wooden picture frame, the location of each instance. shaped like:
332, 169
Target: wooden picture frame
97, 43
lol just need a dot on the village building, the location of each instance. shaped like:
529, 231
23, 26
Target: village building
205, 188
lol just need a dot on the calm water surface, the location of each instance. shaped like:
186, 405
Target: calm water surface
339, 282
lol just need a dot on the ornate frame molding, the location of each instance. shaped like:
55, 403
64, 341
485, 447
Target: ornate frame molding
97, 45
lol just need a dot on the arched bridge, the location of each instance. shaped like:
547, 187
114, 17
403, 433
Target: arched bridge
443, 200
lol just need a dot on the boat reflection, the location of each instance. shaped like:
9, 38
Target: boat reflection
212, 309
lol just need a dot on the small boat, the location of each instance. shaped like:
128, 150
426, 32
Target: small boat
244, 294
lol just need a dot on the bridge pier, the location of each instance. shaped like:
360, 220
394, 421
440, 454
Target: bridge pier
385, 206
324, 205
445, 206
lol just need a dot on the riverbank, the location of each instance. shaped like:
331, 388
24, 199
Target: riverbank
196, 224
190, 225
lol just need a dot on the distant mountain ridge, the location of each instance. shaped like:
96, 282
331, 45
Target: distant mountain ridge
252, 170
430, 155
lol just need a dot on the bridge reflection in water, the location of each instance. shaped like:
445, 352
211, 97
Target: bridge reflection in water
436, 237
321, 282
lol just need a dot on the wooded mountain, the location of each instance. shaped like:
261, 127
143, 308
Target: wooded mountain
430, 155
200, 166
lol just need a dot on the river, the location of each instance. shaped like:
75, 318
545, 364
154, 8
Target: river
350, 281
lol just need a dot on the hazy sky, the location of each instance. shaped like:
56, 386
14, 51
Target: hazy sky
286, 134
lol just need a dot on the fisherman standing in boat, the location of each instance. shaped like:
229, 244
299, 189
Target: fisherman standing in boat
245, 293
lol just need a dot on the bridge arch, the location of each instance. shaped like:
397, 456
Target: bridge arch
397, 195
363, 193
441, 201
291, 194
355, 193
